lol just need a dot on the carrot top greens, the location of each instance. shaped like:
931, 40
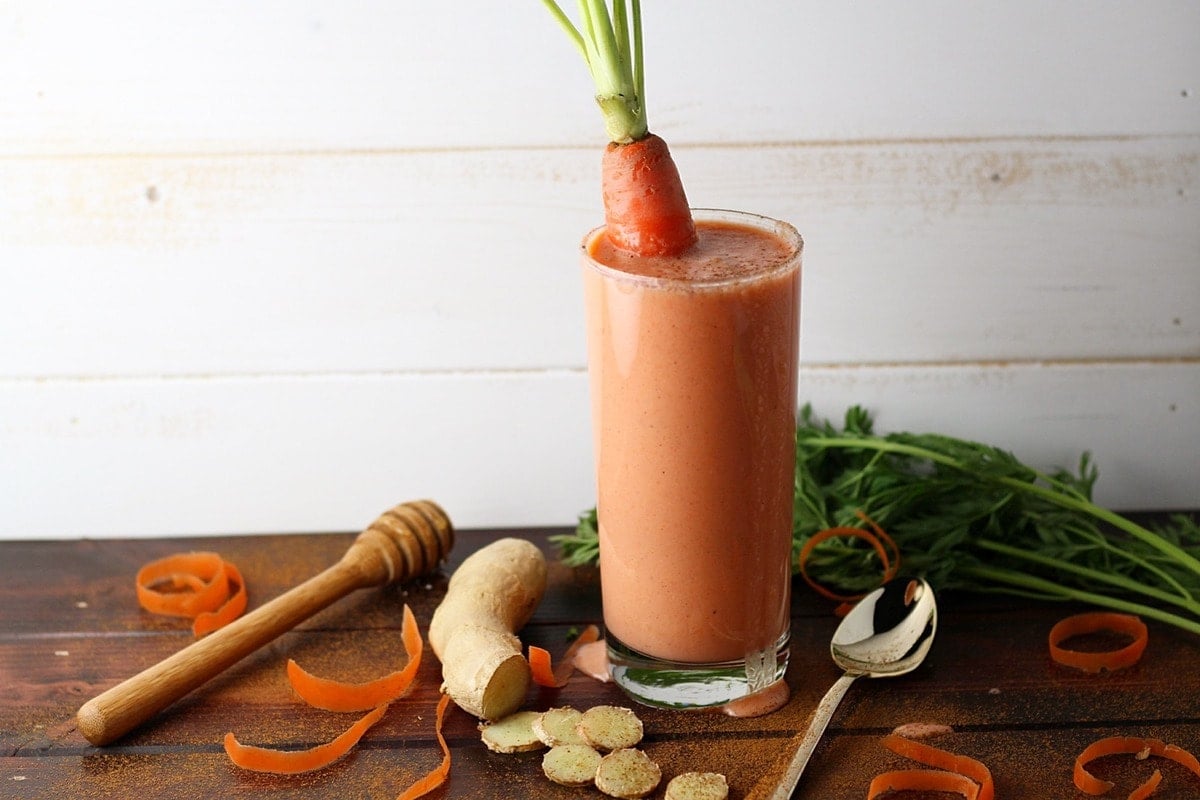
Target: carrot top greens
969, 516
611, 46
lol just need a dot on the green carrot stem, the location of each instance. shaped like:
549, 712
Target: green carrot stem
1112, 518
611, 46
1111, 578
1056, 497
1021, 579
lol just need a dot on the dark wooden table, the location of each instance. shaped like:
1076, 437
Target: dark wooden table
70, 627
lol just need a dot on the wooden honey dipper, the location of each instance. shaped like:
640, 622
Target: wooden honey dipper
405, 542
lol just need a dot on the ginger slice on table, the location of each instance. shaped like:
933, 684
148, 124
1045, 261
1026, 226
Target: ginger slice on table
627, 773
609, 728
558, 726
571, 764
698, 786
512, 734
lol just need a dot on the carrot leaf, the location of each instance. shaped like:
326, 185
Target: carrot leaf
971, 516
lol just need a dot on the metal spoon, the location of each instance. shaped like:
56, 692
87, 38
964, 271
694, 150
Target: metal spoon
887, 633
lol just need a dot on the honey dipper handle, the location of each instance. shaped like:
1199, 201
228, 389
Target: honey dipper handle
127, 705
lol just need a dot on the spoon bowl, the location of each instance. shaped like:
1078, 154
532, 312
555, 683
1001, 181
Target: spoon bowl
887, 633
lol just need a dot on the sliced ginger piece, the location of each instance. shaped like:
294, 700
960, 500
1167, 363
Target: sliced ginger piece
609, 728
512, 734
558, 726
698, 786
627, 773
571, 764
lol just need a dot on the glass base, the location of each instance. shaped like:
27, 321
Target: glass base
683, 685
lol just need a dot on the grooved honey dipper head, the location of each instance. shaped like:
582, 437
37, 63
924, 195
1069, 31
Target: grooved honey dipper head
415, 536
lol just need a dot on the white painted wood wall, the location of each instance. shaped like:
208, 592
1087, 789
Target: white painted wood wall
275, 266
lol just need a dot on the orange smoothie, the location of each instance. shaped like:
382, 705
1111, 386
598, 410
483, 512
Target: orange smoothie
693, 363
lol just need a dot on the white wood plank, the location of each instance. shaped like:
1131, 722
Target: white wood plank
138, 76
201, 456
275, 266
915, 252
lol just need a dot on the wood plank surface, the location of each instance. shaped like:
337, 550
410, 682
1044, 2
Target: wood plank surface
70, 627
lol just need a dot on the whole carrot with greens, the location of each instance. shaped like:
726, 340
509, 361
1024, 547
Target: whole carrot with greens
646, 211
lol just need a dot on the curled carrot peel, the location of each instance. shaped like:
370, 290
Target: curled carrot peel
876, 537
1092, 622
1147, 788
438, 775
334, 695
292, 762
928, 780
337, 696
194, 585
208, 621
888, 541
942, 759
540, 663
1085, 781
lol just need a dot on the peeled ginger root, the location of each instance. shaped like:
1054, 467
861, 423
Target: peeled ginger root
473, 632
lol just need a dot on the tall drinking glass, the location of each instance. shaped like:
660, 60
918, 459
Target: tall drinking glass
692, 362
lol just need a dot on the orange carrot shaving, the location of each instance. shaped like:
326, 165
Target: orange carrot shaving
876, 537
334, 695
438, 775
887, 540
208, 621
540, 663
193, 585
922, 780
1092, 622
1085, 781
202, 575
291, 762
1147, 788
942, 759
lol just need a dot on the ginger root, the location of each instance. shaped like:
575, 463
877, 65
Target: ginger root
473, 632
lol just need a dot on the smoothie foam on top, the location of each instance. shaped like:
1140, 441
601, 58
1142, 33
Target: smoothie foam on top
723, 251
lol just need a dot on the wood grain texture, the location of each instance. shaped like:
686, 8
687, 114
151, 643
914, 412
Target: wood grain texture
1010, 707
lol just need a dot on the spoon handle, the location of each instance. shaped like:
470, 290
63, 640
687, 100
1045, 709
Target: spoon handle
806, 742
